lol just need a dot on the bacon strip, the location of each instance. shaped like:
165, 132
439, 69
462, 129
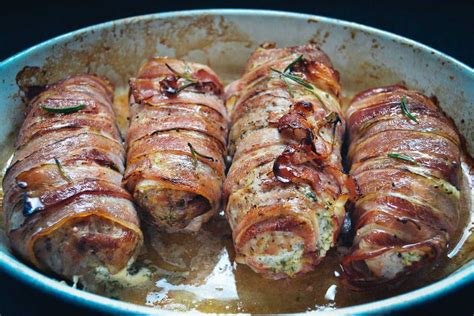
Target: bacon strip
176, 143
406, 162
285, 190
66, 210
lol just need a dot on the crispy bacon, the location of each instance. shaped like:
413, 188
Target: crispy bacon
296, 123
407, 172
176, 143
66, 210
285, 202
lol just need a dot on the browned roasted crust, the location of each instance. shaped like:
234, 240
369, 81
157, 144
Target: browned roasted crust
68, 166
406, 163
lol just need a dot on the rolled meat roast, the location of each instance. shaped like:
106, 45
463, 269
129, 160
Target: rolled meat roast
285, 190
405, 157
176, 143
65, 208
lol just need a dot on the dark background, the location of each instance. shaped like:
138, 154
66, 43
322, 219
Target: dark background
447, 26
444, 25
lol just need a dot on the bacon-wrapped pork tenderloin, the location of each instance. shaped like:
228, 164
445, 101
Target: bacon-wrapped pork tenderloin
405, 158
285, 190
176, 143
65, 208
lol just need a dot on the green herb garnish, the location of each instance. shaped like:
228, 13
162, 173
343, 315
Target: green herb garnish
288, 87
184, 86
61, 170
311, 195
402, 157
403, 105
294, 62
294, 78
64, 110
286, 75
195, 154
185, 75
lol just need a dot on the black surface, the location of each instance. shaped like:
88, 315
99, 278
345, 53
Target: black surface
446, 26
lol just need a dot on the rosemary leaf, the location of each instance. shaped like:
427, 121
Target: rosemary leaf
183, 75
195, 154
294, 78
288, 86
64, 110
402, 157
403, 104
61, 170
184, 86
294, 62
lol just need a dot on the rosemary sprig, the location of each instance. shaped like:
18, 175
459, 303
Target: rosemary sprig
402, 157
184, 86
61, 170
288, 87
403, 105
186, 76
294, 78
183, 75
294, 62
286, 75
195, 154
67, 110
